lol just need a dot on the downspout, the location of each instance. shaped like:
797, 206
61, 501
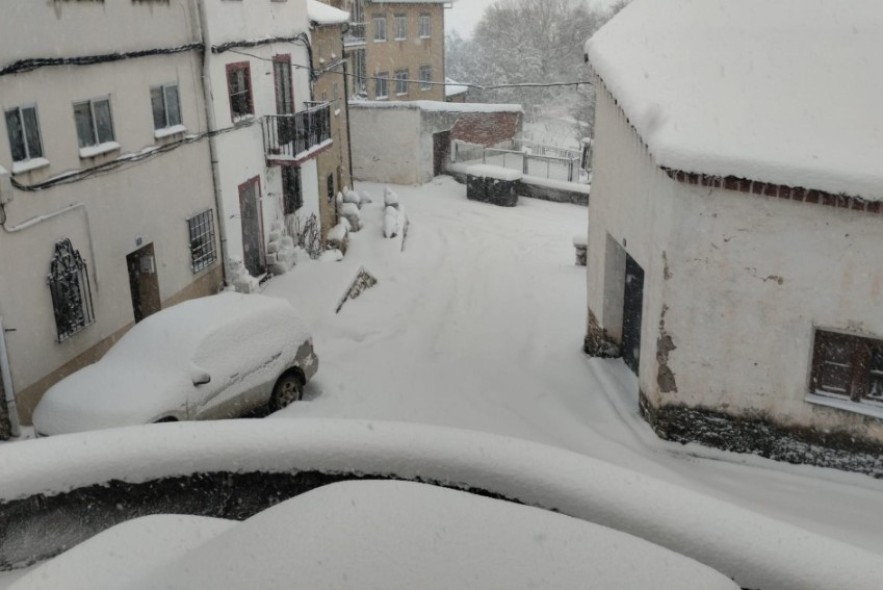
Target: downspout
346, 105
9, 394
212, 140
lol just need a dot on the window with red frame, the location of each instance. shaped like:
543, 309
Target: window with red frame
239, 89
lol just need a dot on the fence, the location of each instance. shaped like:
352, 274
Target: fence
563, 167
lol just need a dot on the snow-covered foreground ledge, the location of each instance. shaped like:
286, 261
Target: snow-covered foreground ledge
756, 551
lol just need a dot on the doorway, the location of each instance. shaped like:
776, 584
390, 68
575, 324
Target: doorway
252, 235
143, 282
441, 152
632, 310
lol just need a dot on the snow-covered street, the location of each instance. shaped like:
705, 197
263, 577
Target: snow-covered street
478, 324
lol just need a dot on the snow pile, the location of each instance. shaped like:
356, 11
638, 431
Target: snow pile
125, 553
395, 221
239, 278
741, 88
350, 212
351, 196
757, 551
337, 236
281, 254
495, 172
390, 197
440, 538
323, 14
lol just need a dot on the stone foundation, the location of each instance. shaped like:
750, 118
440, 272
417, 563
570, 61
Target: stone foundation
758, 435
597, 342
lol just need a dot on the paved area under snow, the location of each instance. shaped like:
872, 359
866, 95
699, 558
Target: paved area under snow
478, 324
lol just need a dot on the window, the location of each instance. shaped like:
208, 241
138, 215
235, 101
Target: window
24, 133
330, 188
424, 26
70, 290
292, 198
401, 82
201, 228
94, 123
381, 85
360, 71
166, 106
380, 28
239, 89
425, 77
282, 84
401, 27
848, 366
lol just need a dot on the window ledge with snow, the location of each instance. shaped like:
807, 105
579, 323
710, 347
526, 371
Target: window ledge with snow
96, 150
866, 409
29, 165
169, 131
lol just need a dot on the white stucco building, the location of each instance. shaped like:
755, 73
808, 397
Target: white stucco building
109, 213
267, 132
147, 148
735, 222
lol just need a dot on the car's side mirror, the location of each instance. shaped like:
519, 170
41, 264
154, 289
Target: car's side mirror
199, 376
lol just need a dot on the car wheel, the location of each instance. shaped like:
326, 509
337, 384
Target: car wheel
288, 390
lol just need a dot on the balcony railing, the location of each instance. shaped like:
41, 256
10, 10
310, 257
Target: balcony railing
355, 35
289, 137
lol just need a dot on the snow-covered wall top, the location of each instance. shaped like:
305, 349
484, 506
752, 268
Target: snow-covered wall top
779, 91
323, 14
433, 105
757, 551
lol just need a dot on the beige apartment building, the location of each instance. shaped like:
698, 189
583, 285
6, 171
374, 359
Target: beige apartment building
327, 25
396, 49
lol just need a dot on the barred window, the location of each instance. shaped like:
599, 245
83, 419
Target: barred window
848, 366
70, 290
292, 197
202, 240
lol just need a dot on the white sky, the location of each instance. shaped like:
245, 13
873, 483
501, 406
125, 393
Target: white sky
465, 14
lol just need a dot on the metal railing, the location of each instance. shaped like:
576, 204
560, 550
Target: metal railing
288, 136
565, 168
355, 35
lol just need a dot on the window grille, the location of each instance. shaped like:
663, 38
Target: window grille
202, 240
70, 290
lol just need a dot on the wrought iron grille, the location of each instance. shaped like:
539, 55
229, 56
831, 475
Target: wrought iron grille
202, 240
70, 289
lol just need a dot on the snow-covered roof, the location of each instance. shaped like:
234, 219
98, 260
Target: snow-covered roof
453, 88
434, 105
780, 91
412, 1
323, 14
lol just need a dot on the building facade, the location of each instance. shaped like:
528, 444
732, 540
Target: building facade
331, 86
396, 49
734, 269
109, 213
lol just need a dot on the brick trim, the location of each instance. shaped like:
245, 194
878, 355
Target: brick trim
779, 191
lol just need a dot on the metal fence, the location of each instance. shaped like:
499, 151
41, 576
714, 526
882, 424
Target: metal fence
564, 167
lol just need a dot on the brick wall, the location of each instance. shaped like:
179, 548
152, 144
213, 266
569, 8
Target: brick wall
487, 128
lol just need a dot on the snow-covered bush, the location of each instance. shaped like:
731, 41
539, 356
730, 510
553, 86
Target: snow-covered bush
350, 212
337, 237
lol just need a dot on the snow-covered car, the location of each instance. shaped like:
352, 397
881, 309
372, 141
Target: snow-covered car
373, 534
214, 357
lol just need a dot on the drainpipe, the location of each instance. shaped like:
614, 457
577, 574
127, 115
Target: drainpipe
212, 140
11, 409
346, 105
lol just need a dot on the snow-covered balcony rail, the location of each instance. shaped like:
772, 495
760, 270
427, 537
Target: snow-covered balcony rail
288, 137
355, 35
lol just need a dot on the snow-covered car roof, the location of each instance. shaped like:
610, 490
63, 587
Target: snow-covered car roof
376, 534
780, 91
755, 550
152, 366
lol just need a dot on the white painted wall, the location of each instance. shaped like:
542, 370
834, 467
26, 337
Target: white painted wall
743, 337
241, 152
150, 199
387, 144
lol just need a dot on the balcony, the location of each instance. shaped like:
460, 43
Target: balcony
296, 137
355, 35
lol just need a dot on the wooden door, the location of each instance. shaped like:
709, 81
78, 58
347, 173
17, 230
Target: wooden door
632, 311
